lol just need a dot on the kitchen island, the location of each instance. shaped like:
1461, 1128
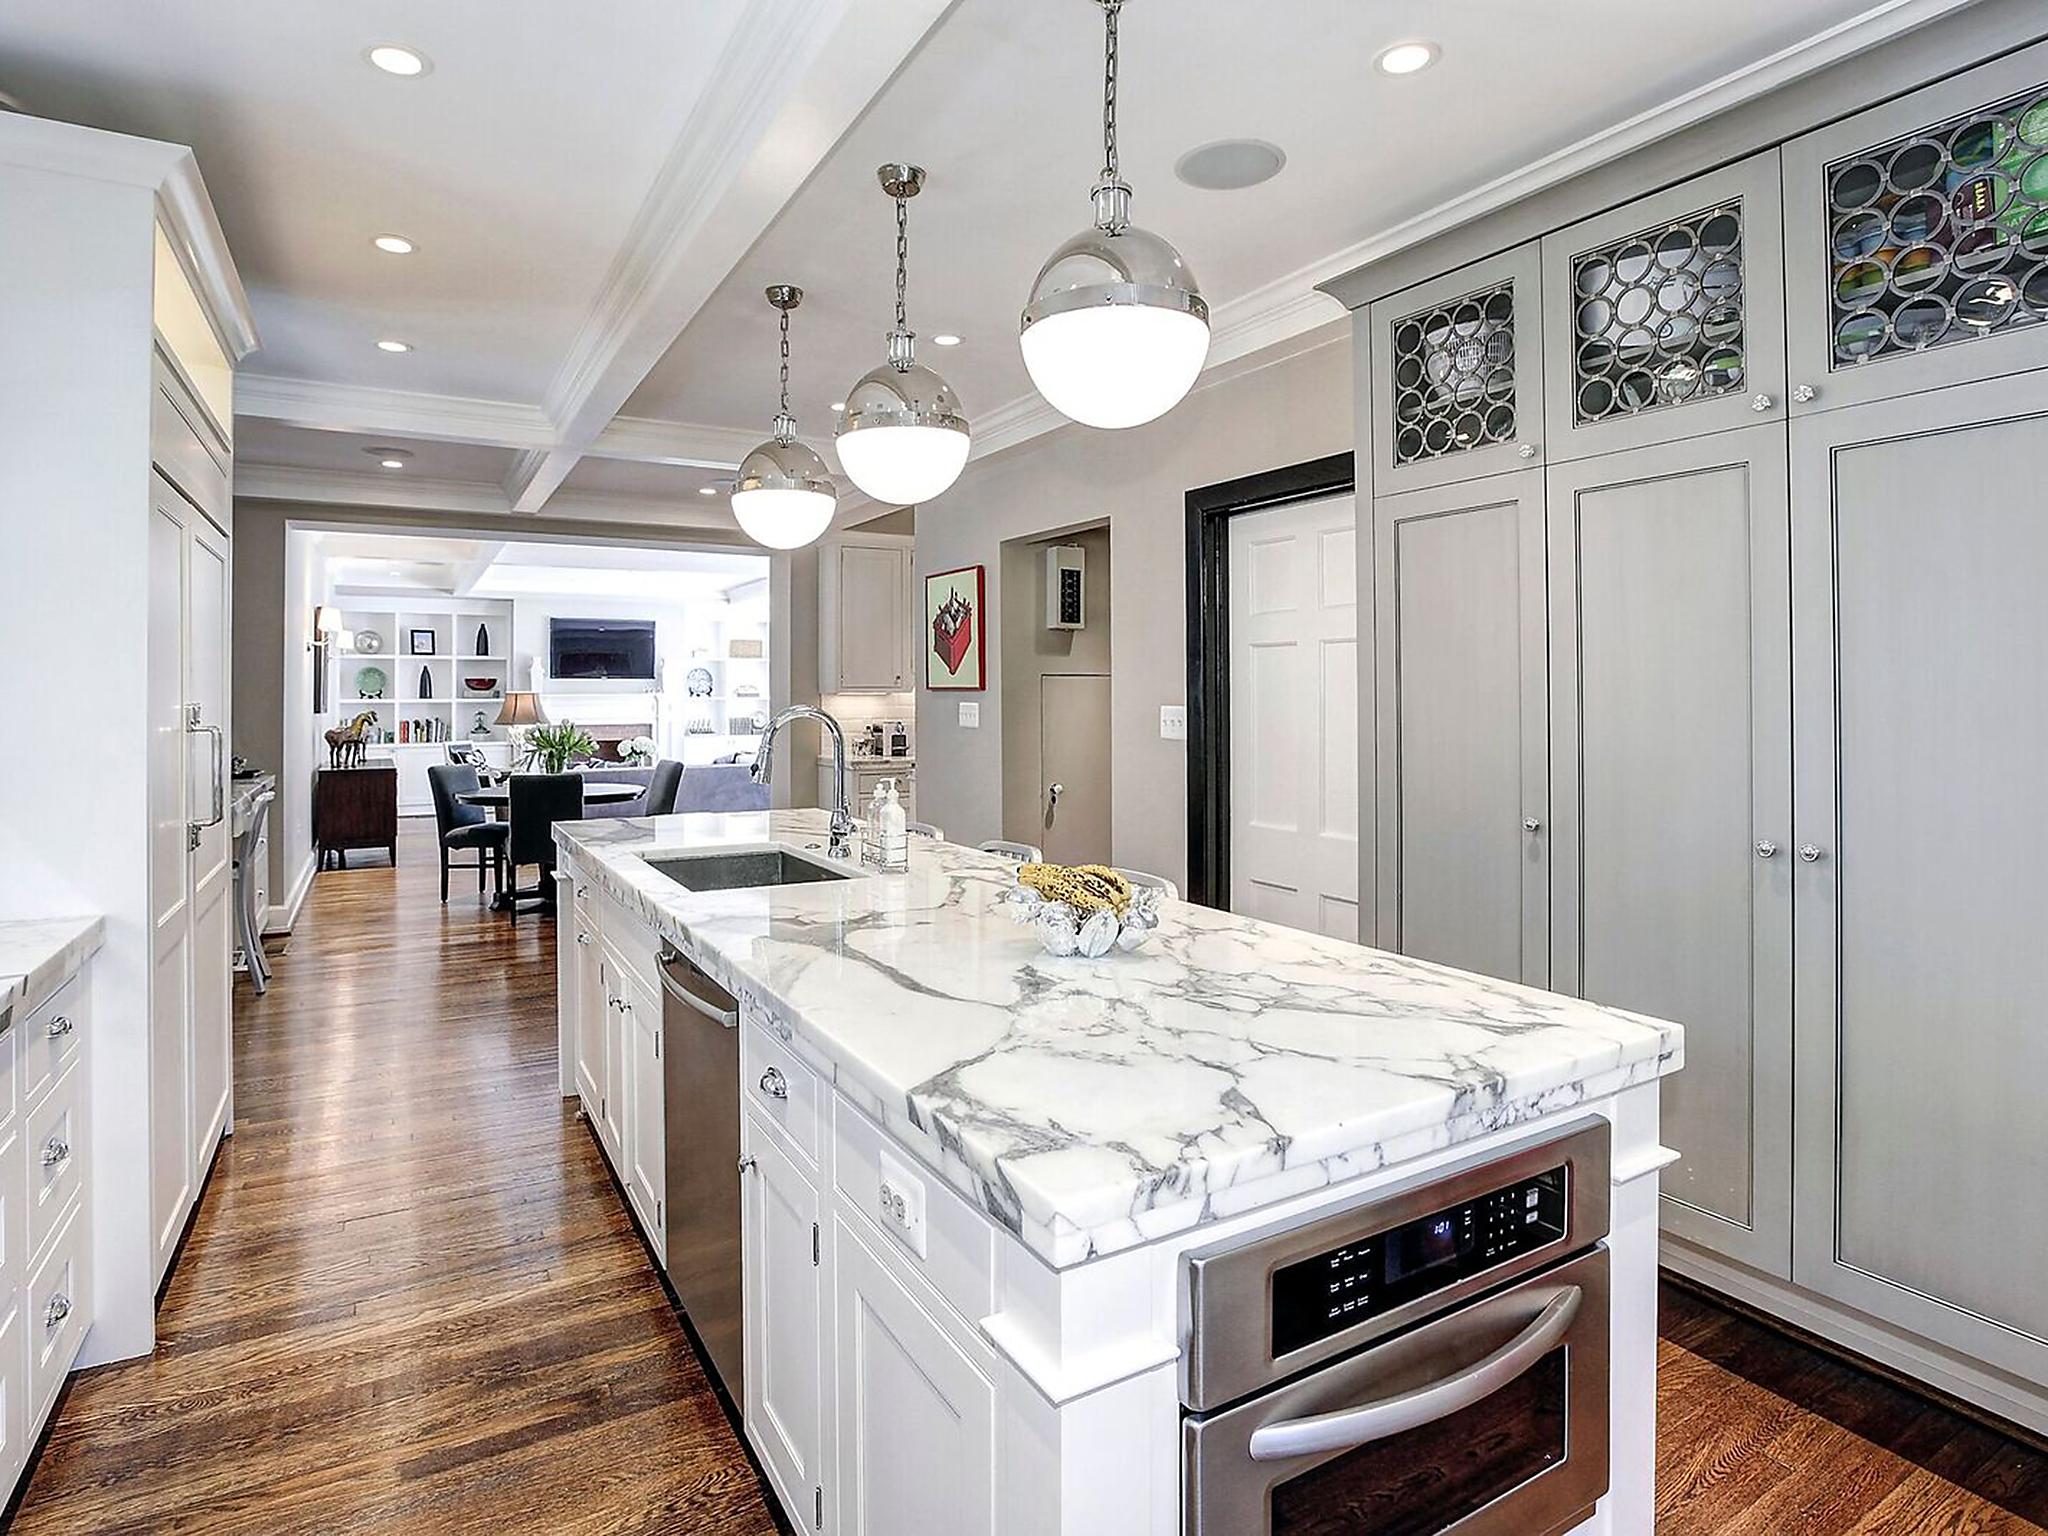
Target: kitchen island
973, 1173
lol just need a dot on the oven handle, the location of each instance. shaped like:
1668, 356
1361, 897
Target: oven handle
1349, 1427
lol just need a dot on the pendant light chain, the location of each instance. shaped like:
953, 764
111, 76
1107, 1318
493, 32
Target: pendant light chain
902, 258
1112, 197
785, 424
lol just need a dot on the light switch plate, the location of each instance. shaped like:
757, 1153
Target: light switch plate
1173, 722
900, 1200
970, 716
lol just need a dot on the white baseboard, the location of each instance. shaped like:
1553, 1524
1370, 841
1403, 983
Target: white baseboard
2002, 1396
282, 915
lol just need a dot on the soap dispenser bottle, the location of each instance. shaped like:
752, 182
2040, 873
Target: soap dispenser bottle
895, 828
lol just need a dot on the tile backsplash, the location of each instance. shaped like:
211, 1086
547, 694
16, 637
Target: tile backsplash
854, 711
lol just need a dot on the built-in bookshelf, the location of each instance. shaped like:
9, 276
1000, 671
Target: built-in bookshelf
415, 678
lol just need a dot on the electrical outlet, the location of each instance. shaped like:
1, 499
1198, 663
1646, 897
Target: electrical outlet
1173, 722
900, 1199
970, 716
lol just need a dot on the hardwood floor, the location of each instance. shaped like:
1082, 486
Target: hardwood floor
411, 1302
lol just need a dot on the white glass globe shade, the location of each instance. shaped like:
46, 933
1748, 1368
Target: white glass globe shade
783, 519
903, 465
1116, 365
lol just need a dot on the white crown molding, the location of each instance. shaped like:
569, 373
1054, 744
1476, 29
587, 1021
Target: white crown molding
793, 78
1294, 306
394, 412
673, 442
463, 498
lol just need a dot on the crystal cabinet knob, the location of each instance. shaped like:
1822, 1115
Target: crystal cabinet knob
55, 1150
61, 1026
1531, 824
747, 1165
58, 1309
1761, 403
1811, 853
774, 1084
1766, 849
1526, 451
1805, 394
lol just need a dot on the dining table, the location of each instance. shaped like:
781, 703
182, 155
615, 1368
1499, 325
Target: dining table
497, 799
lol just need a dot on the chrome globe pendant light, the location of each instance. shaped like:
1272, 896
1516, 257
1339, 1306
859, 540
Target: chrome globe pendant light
901, 436
784, 495
1117, 330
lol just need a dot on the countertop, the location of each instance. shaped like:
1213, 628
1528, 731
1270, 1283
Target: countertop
1093, 1105
36, 954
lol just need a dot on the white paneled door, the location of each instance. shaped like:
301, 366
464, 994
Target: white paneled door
1294, 715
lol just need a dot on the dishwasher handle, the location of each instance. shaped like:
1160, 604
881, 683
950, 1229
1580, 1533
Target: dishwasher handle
675, 967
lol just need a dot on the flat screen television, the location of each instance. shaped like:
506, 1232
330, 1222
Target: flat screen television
601, 648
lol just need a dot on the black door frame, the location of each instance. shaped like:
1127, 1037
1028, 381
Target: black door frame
1209, 510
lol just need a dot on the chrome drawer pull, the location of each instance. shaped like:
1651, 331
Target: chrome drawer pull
55, 1150
774, 1084
1348, 1427
58, 1309
61, 1026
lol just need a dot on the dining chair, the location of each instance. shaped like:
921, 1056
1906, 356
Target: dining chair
536, 802
924, 829
1023, 853
661, 789
464, 826
1156, 882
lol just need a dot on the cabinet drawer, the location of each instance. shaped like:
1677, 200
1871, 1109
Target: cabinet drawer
959, 1248
53, 1147
59, 1309
51, 1037
631, 941
780, 1088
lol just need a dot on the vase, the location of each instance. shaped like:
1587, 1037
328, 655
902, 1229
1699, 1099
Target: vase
426, 683
483, 640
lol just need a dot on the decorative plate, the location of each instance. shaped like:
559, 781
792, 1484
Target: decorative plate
369, 642
698, 681
371, 682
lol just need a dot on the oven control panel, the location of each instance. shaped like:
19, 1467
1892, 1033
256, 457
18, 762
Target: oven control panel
1317, 1297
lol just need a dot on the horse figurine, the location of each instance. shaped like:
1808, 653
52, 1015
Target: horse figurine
345, 742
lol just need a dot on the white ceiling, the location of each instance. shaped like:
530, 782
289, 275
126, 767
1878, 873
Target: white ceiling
600, 192
365, 562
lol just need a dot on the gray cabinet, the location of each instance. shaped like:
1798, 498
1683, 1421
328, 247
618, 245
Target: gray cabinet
1462, 734
1664, 318
1671, 756
1916, 239
864, 615
1457, 378
1920, 551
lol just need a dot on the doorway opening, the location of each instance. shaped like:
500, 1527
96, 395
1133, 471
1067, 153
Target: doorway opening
1273, 696
1055, 612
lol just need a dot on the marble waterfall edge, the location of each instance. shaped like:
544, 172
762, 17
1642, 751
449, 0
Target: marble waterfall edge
1093, 1105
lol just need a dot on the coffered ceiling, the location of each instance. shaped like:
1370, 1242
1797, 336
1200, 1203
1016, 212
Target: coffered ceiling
599, 193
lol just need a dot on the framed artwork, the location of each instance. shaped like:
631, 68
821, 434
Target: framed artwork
420, 641
953, 613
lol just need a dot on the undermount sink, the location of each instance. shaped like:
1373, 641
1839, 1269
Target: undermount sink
745, 868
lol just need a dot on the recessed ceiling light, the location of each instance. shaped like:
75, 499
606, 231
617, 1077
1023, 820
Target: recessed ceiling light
394, 60
394, 346
945, 339
1230, 165
392, 463
1406, 58
390, 458
394, 245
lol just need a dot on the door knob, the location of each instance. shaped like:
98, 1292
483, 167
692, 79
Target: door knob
1765, 848
1810, 852
1761, 403
1805, 393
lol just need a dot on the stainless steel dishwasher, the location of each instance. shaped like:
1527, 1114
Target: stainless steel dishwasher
701, 1107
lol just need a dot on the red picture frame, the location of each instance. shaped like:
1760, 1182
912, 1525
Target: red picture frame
955, 632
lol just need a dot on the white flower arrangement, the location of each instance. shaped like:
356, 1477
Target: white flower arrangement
638, 750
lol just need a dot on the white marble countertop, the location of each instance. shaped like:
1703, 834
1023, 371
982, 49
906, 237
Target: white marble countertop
1092, 1105
36, 954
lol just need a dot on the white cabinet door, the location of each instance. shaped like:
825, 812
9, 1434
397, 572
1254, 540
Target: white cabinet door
212, 862
785, 1312
864, 617
916, 1415
646, 1162
611, 1108
171, 960
590, 1019
1464, 772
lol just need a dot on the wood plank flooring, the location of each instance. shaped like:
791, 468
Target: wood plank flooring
411, 1302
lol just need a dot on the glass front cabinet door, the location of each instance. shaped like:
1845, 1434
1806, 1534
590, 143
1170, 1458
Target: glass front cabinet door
1916, 239
1664, 317
1457, 376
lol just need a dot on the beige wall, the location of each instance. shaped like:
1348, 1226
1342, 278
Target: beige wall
1028, 652
1283, 414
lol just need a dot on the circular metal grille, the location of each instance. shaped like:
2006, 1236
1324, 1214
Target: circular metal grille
1657, 317
1941, 236
1454, 377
